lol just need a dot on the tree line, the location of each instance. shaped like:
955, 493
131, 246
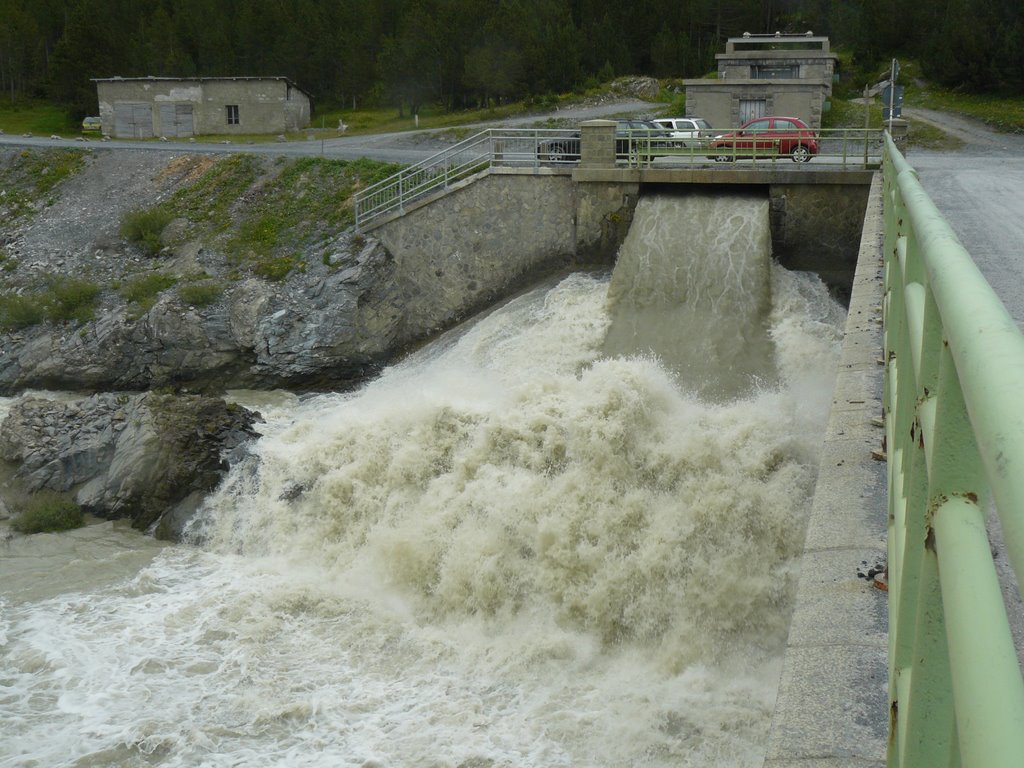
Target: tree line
468, 52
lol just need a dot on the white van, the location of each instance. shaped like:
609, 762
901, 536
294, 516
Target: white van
687, 131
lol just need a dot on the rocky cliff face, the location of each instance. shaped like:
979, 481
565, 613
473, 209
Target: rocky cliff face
332, 326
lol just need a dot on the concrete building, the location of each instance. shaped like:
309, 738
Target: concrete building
761, 75
141, 107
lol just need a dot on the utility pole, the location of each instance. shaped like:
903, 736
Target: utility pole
893, 74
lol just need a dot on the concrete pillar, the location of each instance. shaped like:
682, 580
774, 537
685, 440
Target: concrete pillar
597, 144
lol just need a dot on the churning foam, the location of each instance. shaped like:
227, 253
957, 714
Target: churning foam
509, 550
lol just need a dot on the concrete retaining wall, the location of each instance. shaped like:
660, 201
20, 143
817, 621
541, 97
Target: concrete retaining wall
511, 226
466, 248
817, 228
479, 244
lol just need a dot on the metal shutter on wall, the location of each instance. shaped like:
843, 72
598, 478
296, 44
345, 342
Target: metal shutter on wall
183, 120
176, 120
751, 109
133, 120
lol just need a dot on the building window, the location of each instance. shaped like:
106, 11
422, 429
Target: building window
775, 71
232, 114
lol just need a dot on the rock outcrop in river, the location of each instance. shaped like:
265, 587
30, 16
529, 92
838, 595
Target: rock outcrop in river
147, 457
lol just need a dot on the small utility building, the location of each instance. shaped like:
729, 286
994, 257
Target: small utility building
141, 107
758, 75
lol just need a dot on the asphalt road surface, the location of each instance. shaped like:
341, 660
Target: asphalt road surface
980, 191
401, 147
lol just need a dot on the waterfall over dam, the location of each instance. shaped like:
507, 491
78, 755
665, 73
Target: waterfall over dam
692, 286
556, 536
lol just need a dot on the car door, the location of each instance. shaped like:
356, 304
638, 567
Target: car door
786, 132
756, 134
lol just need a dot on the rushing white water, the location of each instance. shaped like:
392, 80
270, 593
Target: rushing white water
691, 285
507, 551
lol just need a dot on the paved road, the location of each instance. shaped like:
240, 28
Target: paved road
980, 191
401, 147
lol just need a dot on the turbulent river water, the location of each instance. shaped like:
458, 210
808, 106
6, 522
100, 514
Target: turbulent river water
518, 547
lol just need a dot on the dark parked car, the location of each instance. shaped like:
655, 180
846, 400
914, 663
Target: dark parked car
642, 137
560, 149
639, 137
765, 137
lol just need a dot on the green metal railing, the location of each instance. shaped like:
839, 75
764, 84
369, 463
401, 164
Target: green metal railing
845, 147
954, 408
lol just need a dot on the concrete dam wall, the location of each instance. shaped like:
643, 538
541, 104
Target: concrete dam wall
464, 250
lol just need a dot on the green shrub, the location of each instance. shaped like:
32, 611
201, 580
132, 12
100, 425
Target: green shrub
71, 299
200, 294
145, 227
7, 262
144, 289
18, 311
275, 268
45, 511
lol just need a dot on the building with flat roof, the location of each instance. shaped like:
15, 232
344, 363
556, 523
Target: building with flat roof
142, 107
758, 75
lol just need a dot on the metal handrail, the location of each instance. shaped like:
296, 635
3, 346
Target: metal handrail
856, 147
954, 433
553, 147
523, 147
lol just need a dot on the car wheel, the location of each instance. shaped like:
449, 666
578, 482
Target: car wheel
557, 153
801, 154
724, 158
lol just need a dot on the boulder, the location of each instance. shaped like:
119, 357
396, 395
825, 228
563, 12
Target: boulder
147, 457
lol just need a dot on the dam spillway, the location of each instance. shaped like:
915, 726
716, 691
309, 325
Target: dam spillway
692, 285
512, 548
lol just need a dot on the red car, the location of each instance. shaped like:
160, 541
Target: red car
766, 137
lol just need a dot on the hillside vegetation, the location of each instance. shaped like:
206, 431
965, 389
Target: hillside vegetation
236, 217
408, 54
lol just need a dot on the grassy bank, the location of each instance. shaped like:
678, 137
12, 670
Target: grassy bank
262, 216
848, 113
38, 118
1000, 113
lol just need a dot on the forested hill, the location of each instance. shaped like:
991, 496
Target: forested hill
460, 52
